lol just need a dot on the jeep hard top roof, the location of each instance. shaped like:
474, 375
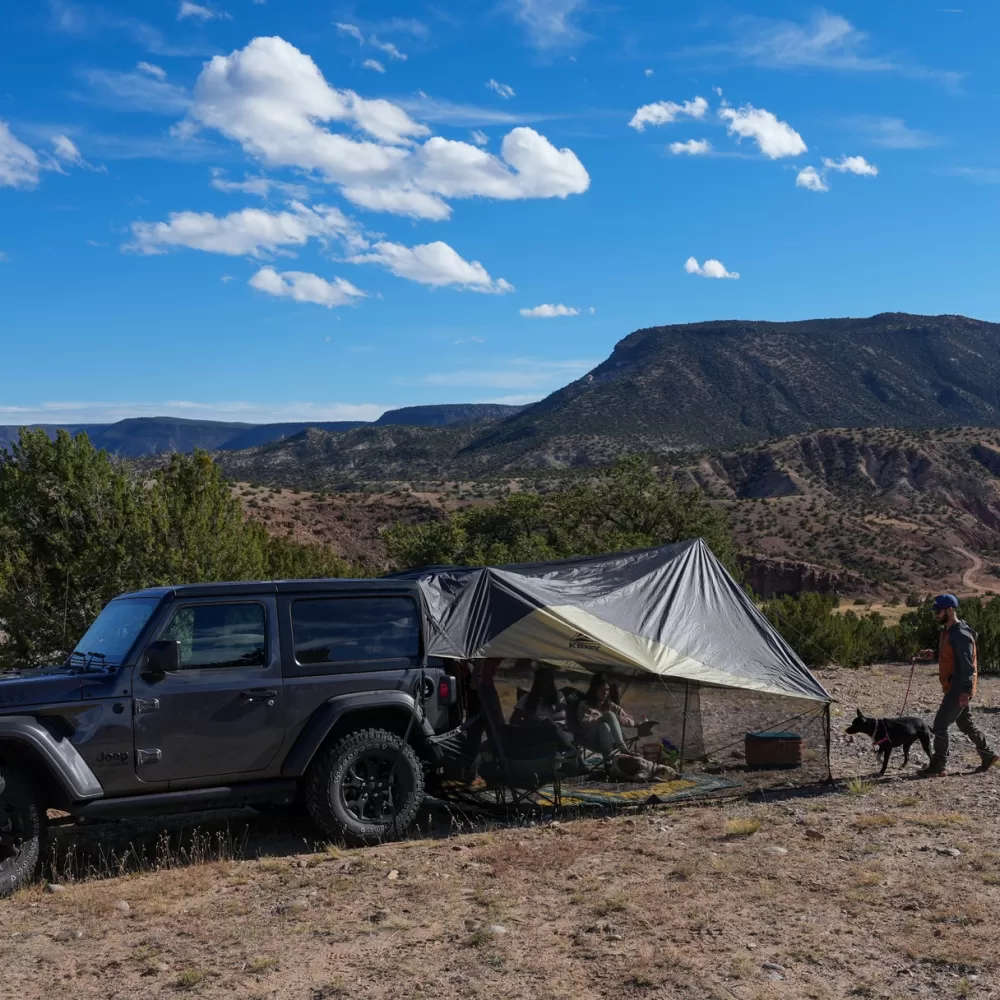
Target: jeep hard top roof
245, 587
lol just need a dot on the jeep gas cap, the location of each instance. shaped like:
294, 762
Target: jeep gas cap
426, 692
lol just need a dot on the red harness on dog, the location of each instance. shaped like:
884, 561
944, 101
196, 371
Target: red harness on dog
885, 739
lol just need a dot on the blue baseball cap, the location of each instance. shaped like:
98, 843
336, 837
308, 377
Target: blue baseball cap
943, 601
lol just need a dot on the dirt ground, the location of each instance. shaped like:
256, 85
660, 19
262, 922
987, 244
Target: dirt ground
874, 888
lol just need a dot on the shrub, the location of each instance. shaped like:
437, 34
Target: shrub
78, 527
629, 507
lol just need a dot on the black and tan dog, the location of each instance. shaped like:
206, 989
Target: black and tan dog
887, 734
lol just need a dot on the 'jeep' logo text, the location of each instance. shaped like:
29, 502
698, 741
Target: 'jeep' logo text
581, 641
112, 757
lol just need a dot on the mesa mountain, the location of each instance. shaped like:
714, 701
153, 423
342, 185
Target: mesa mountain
684, 387
138, 437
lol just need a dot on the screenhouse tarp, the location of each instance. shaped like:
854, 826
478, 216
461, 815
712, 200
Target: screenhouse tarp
673, 611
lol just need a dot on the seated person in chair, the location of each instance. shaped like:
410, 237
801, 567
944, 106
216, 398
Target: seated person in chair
543, 701
600, 720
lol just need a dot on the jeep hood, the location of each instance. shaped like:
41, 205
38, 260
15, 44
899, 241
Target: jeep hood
41, 686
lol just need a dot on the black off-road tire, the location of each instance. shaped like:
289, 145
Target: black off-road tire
348, 787
22, 829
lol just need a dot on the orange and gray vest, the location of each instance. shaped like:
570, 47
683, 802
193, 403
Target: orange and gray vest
958, 666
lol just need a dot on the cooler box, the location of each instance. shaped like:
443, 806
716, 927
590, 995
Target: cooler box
773, 750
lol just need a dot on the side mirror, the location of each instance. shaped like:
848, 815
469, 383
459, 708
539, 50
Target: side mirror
161, 658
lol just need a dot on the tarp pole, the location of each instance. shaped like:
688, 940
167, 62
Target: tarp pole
684, 726
826, 735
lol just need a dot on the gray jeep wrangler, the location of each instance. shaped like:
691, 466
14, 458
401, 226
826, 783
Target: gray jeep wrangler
220, 695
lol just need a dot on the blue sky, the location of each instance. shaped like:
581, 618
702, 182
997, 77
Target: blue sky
266, 211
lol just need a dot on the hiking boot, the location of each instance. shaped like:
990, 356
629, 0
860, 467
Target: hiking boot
988, 762
933, 770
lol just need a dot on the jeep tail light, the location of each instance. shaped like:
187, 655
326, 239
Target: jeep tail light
446, 690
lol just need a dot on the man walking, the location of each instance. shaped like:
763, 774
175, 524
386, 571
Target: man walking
958, 669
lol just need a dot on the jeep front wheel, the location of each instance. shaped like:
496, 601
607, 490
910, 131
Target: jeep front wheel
22, 830
366, 788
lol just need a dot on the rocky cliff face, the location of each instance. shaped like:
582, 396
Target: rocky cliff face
769, 576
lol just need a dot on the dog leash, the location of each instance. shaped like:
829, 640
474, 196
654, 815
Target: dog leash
913, 666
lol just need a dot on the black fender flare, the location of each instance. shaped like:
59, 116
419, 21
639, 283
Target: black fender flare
326, 717
53, 752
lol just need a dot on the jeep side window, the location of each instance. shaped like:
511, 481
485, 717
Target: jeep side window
343, 629
219, 635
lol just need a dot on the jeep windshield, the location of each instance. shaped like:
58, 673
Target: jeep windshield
107, 642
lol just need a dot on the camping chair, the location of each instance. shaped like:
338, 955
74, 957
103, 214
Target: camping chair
526, 757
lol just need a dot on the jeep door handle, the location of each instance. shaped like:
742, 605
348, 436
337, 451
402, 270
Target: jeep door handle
259, 694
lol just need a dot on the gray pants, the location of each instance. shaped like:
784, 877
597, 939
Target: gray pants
603, 734
951, 713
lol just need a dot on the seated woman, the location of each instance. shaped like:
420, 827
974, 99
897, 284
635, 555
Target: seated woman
600, 720
543, 701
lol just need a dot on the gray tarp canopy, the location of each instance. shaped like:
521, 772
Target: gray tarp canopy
673, 611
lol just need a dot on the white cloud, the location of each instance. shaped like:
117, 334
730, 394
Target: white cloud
305, 287
387, 47
434, 264
189, 9
274, 101
136, 91
546, 311
666, 112
373, 64
19, 164
811, 179
350, 29
891, 133
407, 201
259, 186
252, 231
271, 97
529, 167
549, 23
828, 41
648, 72
852, 165
96, 21
693, 147
710, 269
66, 152
479, 137
246, 412
774, 138
503, 89
151, 70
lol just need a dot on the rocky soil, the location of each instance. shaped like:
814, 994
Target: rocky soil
872, 888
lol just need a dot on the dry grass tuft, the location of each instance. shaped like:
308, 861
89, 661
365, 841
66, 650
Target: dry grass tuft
616, 903
189, 979
877, 820
938, 821
860, 786
744, 826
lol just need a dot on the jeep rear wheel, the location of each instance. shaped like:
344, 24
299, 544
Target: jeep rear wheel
366, 788
22, 830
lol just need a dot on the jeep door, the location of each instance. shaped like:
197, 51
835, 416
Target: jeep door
221, 713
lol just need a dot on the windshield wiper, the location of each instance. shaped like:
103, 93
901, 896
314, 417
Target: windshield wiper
88, 658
